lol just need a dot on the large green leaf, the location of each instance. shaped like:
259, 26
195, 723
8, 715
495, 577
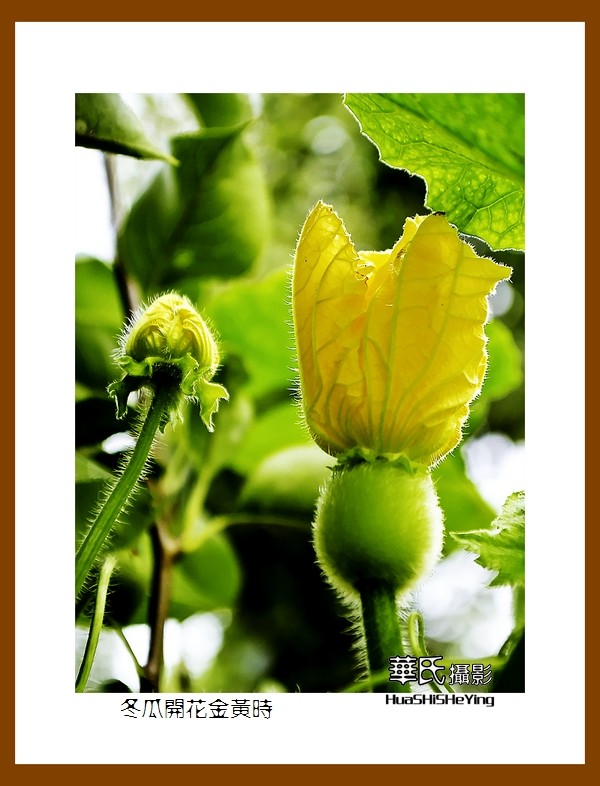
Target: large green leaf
220, 109
207, 217
207, 578
278, 428
288, 481
98, 320
504, 373
505, 364
252, 319
503, 548
103, 121
463, 506
469, 147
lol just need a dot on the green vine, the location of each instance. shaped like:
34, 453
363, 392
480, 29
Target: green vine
96, 625
124, 487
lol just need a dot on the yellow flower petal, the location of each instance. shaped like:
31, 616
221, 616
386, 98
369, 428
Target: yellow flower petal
391, 345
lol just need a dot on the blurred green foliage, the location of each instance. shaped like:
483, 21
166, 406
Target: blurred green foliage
221, 227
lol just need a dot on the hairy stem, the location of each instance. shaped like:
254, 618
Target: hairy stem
382, 632
96, 625
94, 540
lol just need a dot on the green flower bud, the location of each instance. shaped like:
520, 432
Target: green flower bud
378, 523
170, 329
169, 340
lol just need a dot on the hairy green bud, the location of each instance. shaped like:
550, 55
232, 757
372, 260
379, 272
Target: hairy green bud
378, 523
170, 329
169, 340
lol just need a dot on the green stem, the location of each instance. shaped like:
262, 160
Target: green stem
382, 632
191, 541
416, 635
94, 540
96, 625
416, 640
119, 631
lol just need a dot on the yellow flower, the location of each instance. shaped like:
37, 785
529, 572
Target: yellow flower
391, 344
